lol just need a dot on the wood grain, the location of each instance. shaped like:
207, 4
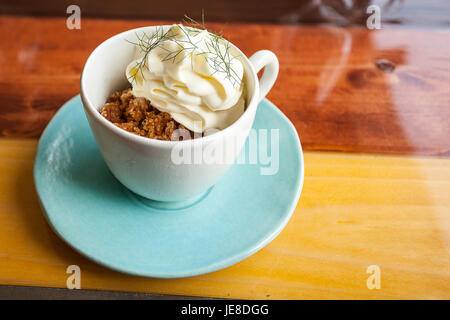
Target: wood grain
331, 83
417, 13
355, 211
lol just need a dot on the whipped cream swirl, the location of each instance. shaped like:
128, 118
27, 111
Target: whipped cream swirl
184, 77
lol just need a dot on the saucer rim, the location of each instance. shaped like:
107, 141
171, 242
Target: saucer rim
224, 263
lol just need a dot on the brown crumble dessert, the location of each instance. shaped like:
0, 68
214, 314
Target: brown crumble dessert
138, 116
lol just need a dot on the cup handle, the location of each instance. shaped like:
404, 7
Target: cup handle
268, 60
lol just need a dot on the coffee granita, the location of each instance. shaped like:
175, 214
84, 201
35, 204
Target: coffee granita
138, 116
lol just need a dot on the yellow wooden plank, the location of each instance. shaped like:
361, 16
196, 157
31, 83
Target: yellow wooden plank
355, 211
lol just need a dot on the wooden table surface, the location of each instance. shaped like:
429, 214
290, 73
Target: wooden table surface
385, 201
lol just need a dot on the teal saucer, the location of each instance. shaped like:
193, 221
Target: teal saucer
89, 209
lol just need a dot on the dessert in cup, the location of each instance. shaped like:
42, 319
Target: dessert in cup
158, 94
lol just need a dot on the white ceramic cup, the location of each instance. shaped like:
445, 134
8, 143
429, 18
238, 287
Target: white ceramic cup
146, 166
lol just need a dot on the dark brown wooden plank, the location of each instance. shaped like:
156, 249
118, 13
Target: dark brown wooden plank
329, 84
408, 13
43, 293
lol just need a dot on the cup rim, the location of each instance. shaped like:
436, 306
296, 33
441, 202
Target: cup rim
95, 114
